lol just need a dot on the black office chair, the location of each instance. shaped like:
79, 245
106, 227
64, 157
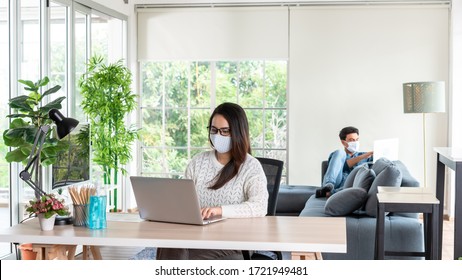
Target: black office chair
273, 172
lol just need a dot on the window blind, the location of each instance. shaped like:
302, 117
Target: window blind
236, 33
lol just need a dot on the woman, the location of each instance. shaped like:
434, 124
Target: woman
229, 181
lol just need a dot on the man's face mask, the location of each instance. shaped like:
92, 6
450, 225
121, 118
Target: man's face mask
353, 147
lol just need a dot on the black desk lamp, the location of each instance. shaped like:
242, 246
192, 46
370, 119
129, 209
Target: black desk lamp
63, 127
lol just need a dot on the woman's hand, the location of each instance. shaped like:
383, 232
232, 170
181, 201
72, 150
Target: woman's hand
210, 211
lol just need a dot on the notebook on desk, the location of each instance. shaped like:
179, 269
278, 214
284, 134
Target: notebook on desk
168, 200
387, 148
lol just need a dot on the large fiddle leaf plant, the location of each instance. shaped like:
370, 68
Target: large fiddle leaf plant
29, 113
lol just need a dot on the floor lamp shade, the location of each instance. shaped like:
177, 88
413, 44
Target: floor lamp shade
424, 97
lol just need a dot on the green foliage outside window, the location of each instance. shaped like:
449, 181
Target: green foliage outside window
177, 99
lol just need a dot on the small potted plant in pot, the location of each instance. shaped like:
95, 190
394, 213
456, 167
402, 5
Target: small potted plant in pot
47, 207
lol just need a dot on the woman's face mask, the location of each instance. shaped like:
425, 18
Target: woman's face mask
222, 144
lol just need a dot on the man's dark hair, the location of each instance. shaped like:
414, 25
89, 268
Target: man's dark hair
347, 130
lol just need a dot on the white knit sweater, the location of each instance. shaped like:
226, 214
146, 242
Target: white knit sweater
246, 195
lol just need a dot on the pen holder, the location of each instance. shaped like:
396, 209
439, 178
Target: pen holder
80, 215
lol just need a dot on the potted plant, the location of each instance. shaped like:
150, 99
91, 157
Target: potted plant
29, 114
107, 99
47, 207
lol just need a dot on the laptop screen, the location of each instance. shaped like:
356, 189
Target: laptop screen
387, 148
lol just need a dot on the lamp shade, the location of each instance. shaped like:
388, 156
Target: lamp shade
63, 125
424, 97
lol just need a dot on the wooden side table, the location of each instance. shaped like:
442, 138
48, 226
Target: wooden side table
413, 202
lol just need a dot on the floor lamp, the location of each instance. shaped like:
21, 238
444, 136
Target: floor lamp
424, 97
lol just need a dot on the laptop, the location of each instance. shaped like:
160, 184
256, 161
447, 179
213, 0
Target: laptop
387, 148
168, 200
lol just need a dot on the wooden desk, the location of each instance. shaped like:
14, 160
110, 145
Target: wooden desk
298, 234
452, 158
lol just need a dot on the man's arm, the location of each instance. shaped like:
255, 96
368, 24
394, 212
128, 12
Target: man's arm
353, 161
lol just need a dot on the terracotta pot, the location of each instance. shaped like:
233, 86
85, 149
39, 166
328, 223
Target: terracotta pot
26, 252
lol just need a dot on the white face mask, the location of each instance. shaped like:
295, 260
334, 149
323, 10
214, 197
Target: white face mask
222, 144
353, 147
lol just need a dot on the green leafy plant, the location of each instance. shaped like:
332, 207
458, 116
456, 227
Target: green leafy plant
29, 115
106, 100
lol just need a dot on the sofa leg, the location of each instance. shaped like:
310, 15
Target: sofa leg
306, 256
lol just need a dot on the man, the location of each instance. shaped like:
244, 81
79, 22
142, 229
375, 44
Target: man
343, 161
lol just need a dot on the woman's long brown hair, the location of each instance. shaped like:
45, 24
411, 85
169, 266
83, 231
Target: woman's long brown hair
240, 140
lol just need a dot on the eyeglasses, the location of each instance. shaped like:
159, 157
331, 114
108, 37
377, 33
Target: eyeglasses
224, 131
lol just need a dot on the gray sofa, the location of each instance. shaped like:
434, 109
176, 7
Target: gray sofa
403, 231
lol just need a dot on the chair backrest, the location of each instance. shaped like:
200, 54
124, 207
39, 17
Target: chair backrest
273, 172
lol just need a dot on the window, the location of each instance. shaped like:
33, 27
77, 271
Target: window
192, 60
5, 248
177, 99
34, 46
58, 49
81, 57
107, 35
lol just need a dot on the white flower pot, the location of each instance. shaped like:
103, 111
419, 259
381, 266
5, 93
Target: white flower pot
46, 224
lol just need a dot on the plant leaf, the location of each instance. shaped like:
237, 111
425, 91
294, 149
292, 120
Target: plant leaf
16, 156
21, 103
51, 90
18, 116
43, 82
55, 104
30, 84
17, 123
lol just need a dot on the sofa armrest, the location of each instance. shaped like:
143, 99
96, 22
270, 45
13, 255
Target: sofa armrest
292, 199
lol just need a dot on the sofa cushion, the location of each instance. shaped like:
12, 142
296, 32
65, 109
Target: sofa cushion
408, 179
380, 165
390, 176
351, 177
364, 178
345, 202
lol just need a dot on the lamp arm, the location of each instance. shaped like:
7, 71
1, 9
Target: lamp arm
34, 161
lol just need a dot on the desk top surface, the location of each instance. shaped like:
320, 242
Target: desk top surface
403, 190
305, 234
452, 153
408, 198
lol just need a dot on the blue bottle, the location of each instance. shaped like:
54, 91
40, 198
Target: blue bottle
97, 208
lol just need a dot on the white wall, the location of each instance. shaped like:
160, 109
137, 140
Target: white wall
347, 67
455, 112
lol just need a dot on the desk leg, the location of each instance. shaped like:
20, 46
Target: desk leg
434, 234
380, 233
440, 174
306, 256
71, 251
96, 253
50, 251
458, 212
